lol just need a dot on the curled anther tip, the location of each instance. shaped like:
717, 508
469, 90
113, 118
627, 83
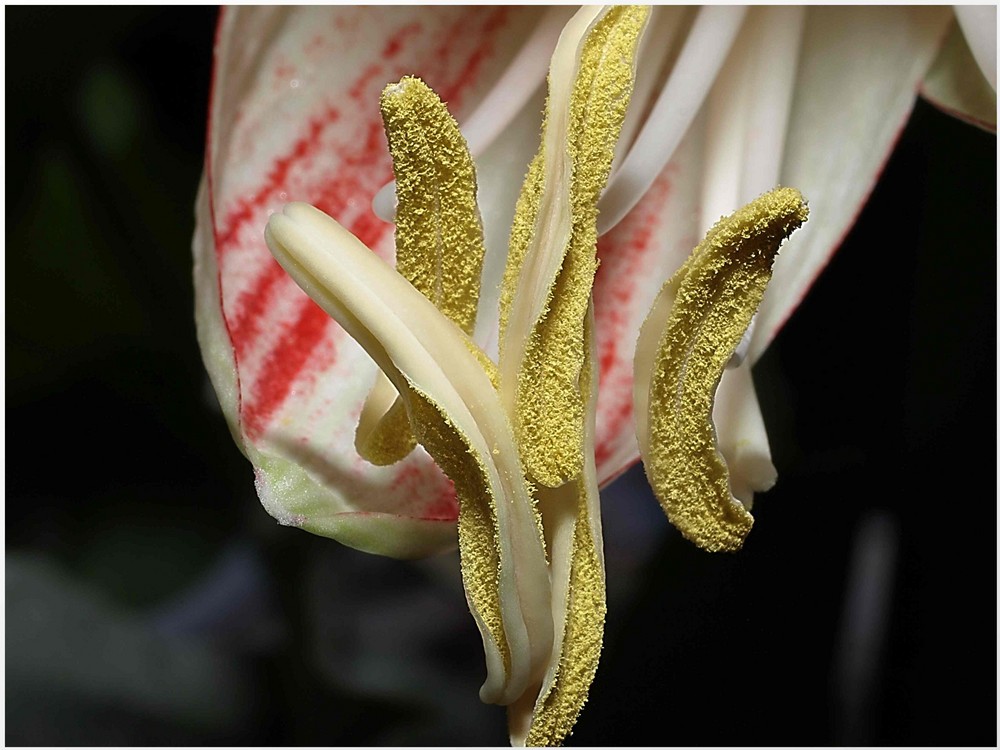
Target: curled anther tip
711, 300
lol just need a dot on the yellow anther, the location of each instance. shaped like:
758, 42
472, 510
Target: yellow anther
477, 525
583, 632
706, 307
546, 368
439, 238
552, 260
571, 514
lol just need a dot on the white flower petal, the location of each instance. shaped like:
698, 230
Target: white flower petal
860, 68
955, 84
979, 25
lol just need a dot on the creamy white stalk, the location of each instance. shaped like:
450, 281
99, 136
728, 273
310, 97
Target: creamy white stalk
748, 112
705, 50
745, 135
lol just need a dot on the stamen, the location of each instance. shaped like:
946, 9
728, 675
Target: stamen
457, 417
763, 69
509, 94
747, 120
547, 367
551, 262
694, 325
439, 239
704, 52
742, 436
579, 600
726, 112
439, 236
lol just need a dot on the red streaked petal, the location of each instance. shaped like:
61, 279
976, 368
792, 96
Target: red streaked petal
294, 117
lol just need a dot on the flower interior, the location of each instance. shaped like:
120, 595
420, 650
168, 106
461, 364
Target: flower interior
517, 436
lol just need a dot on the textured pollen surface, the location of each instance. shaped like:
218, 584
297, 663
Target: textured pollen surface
717, 292
582, 638
549, 410
557, 709
439, 236
477, 524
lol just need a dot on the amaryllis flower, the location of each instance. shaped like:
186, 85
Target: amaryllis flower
727, 103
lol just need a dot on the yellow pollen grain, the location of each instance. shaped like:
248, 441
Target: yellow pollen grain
717, 292
439, 236
583, 636
477, 525
548, 413
556, 710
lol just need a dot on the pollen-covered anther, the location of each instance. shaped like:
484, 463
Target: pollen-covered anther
547, 373
552, 258
439, 239
690, 334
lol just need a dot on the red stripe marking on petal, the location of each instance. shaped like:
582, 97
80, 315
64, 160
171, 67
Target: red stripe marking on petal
282, 365
445, 508
413, 479
365, 166
373, 75
292, 357
246, 208
622, 252
470, 70
395, 43
244, 328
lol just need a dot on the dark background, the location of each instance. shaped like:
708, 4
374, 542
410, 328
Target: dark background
150, 600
